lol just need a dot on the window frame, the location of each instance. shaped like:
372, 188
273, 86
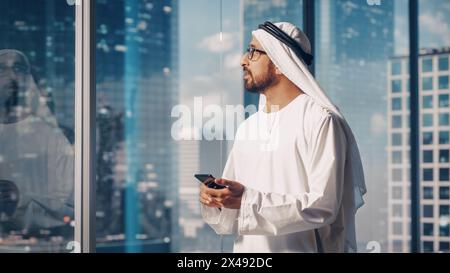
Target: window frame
85, 133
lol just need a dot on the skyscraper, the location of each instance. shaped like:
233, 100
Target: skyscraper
434, 151
353, 42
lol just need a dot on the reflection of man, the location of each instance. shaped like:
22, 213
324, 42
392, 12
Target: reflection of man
297, 188
36, 160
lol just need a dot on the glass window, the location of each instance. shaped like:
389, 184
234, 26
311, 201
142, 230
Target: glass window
443, 101
396, 104
397, 139
443, 210
443, 156
398, 228
353, 43
396, 86
443, 63
444, 246
397, 193
444, 193
443, 174
443, 137
146, 49
396, 67
444, 119
427, 83
428, 156
37, 71
427, 102
427, 120
428, 174
428, 211
427, 65
428, 229
397, 210
427, 192
397, 246
427, 138
444, 230
443, 82
428, 246
396, 121
396, 157
137, 42
397, 175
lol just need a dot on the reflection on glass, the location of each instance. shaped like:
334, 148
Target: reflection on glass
36, 126
428, 174
136, 174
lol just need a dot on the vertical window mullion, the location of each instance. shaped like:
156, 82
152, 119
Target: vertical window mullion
414, 123
85, 110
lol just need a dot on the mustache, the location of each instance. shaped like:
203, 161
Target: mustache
13, 100
13, 85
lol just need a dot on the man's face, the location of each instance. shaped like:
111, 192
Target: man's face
259, 72
13, 73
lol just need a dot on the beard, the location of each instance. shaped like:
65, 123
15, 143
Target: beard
259, 84
10, 95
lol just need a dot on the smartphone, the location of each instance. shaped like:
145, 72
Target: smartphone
208, 180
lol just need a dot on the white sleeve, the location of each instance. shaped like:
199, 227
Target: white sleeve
276, 214
222, 221
47, 208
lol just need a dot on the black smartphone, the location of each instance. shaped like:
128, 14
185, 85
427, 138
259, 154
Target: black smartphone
208, 180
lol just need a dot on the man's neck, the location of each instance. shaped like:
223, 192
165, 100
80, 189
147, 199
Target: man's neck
8, 117
280, 95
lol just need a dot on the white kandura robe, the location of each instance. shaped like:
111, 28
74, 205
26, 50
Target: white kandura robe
39, 160
294, 182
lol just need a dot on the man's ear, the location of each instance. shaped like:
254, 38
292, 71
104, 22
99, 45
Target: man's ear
277, 71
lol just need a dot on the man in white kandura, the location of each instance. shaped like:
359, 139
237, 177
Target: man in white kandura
36, 159
297, 185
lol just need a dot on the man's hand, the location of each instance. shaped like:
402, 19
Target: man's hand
229, 198
9, 197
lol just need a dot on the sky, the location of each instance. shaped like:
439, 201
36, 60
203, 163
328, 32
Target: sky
207, 64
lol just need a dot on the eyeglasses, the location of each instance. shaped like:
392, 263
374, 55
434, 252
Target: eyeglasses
253, 54
18, 69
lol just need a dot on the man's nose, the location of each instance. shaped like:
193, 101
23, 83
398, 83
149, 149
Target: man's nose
244, 60
11, 74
